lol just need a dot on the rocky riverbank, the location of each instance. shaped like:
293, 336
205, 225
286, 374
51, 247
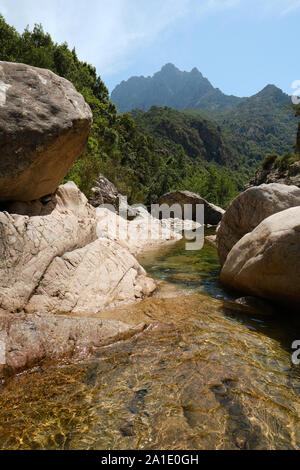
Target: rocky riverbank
66, 261
59, 254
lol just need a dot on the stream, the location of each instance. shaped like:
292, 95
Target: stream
207, 374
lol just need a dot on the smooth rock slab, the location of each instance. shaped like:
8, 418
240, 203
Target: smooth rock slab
44, 126
56, 263
143, 233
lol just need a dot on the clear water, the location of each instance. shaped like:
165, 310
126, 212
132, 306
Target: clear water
197, 271
206, 374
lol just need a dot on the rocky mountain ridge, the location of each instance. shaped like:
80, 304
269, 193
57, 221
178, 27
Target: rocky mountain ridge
170, 87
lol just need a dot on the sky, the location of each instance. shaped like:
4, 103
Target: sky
239, 45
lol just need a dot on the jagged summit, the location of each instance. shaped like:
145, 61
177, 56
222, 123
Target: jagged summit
168, 87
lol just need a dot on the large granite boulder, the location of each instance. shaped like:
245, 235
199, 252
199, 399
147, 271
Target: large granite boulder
44, 126
249, 209
212, 214
56, 263
266, 262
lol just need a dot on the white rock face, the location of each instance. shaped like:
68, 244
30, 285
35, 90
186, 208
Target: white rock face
28, 245
3, 90
56, 263
249, 209
89, 279
266, 262
63, 262
144, 232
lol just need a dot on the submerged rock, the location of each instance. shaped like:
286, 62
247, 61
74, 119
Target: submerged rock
29, 339
199, 378
212, 214
249, 209
44, 126
255, 305
266, 262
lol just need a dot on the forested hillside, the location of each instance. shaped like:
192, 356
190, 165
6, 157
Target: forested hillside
200, 139
258, 125
218, 170
135, 161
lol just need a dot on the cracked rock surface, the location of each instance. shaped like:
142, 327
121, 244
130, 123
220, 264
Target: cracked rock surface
32, 338
56, 263
57, 273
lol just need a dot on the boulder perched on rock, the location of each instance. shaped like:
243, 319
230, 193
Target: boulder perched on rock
249, 209
266, 262
44, 126
212, 214
56, 263
104, 192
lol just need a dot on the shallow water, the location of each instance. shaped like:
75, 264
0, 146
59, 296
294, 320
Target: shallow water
206, 375
197, 271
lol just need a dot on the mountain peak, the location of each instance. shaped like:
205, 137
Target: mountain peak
168, 87
168, 67
270, 90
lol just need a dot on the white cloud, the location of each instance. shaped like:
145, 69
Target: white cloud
290, 7
104, 32
109, 33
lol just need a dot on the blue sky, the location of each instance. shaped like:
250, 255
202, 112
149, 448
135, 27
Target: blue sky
239, 45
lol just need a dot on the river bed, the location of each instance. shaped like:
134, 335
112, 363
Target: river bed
207, 374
